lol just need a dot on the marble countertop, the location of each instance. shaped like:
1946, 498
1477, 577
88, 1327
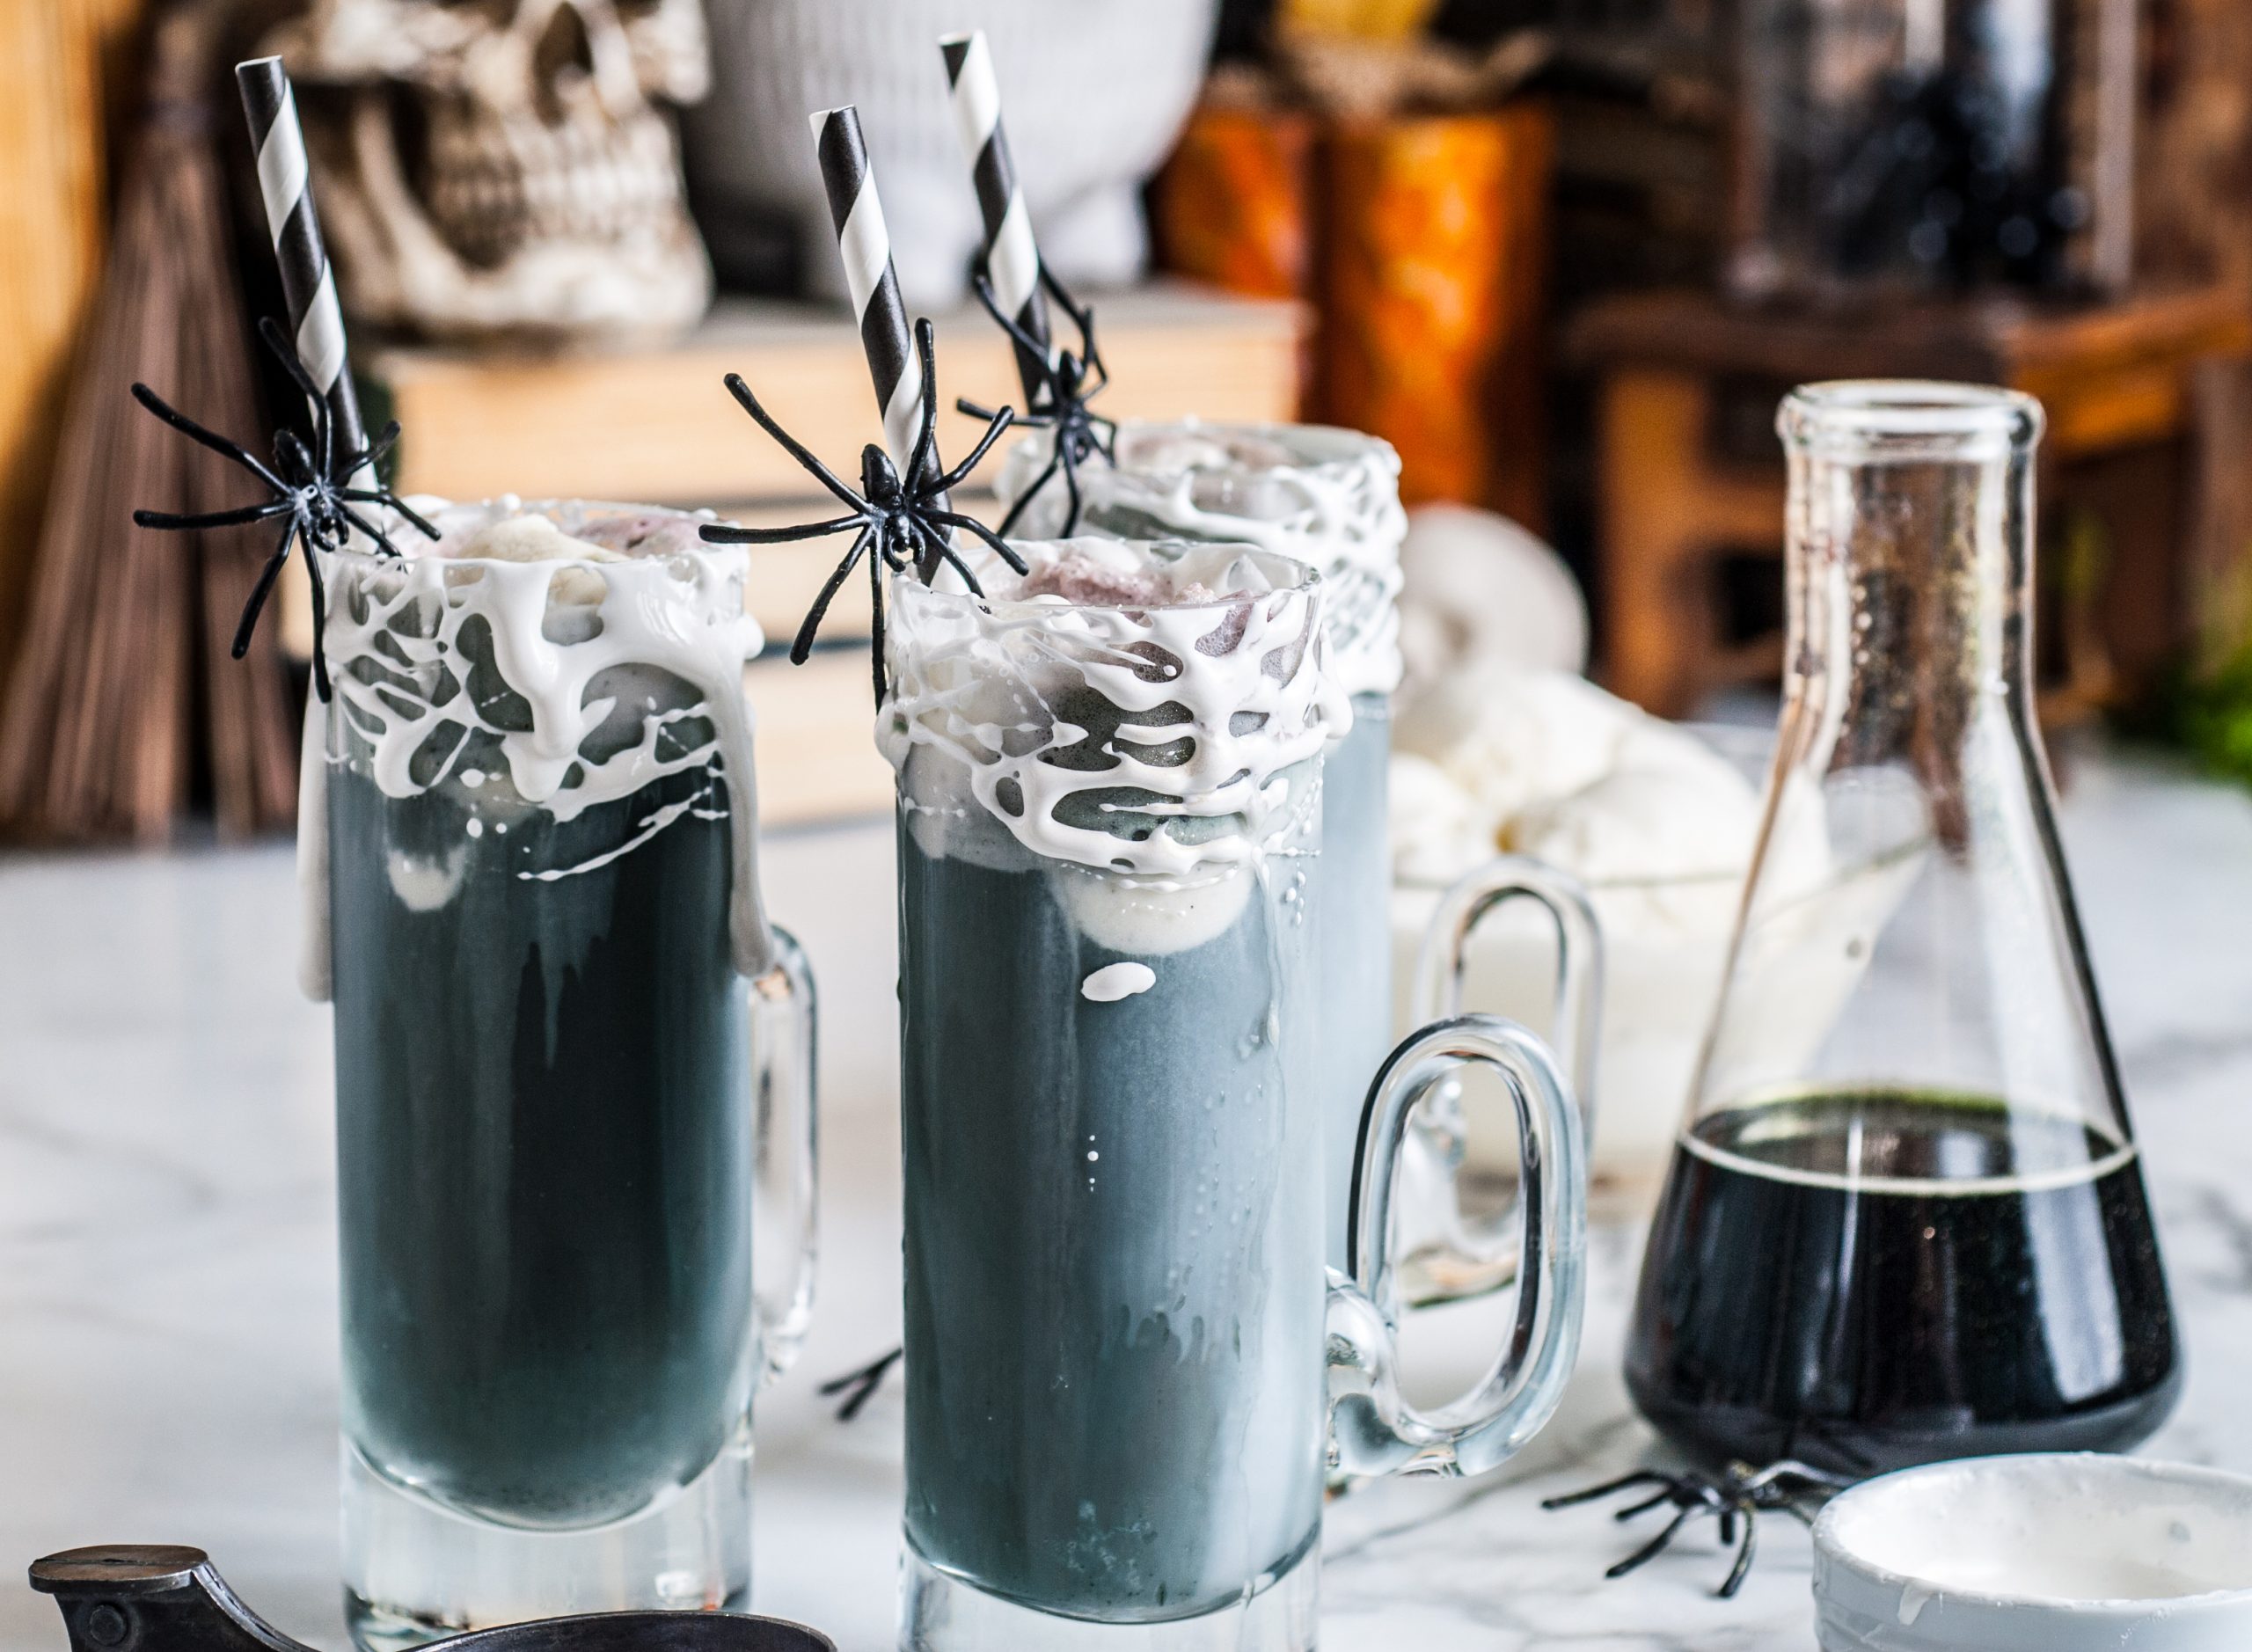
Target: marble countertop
167, 1283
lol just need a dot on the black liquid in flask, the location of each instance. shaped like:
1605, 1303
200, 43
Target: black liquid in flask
1905, 1218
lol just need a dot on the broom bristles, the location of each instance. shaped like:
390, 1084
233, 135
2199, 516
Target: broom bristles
99, 737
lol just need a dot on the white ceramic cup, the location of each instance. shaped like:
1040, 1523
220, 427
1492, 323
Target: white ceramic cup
2050, 1553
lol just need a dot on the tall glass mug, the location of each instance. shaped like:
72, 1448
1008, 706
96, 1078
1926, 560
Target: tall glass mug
1330, 498
1114, 1103
574, 1067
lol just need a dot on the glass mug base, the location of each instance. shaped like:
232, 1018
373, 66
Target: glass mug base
939, 1611
415, 1570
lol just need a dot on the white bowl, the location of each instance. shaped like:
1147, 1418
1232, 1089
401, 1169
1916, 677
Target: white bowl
1665, 944
2053, 1552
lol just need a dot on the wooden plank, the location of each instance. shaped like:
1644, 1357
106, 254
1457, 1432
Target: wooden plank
2141, 406
1992, 339
658, 425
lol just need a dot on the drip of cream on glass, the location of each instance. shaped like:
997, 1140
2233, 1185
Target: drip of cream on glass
1327, 497
570, 593
1142, 720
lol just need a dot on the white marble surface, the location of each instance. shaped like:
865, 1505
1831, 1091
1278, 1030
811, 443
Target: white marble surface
167, 1341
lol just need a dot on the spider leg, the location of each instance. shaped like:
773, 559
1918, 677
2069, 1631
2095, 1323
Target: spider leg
1071, 491
285, 353
936, 549
981, 284
1082, 318
962, 568
1000, 421
803, 646
955, 519
929, 547
389, 501
291, 451
728, 533
978, 410
210, 439
1032, 492
861, 1384
1080, 314
925, 454
1671, 1494
211, 518
366, 527
791, 445
264, 588
412, 514
1640, 1477
1742, 1569
320, 623
984, 287
1649, 1551
1789, 1468
875, 626
349, 465
278, 341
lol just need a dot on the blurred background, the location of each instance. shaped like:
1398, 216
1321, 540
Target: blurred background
1565, 255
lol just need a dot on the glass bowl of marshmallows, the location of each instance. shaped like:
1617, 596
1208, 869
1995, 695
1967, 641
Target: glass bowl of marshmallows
1656, 819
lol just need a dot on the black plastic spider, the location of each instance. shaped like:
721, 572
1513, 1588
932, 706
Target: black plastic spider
1060, 402
1738, 1495
902, 524
310, 488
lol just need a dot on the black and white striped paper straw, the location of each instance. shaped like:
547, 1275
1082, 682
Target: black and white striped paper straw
1012, 257
865, 245
308, 283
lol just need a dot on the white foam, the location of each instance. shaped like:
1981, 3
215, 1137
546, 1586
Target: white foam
424, 886
2053, 1529
1153, 834
1113, 981
1152, 917
1225, 704
602, 620
1323, 496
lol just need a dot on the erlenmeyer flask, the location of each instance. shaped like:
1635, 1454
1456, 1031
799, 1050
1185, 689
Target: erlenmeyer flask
1905, 1218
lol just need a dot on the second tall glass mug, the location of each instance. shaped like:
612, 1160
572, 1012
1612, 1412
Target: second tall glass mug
1117, 1322
565, 1040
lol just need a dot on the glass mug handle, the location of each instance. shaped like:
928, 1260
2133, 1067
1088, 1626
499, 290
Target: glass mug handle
1446, 1253
1373, 1428
785, 1122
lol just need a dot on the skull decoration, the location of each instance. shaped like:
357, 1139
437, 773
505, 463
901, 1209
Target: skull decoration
503, 166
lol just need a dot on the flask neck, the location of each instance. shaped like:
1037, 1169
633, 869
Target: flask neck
1910, 599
